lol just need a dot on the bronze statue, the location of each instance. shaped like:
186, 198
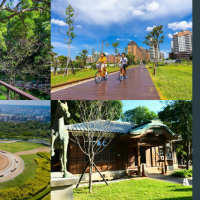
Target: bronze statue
60, 136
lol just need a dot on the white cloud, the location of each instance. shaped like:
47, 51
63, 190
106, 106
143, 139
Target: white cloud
95, 12
87, 46
138, 12
60, 45
152, 6
79, 26
135, 36
175, 32
150, 28
58, 22
118, 38
145, 8
106, 53
129, 40
183, 25
170, 35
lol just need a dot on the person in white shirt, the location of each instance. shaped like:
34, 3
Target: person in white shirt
124, 61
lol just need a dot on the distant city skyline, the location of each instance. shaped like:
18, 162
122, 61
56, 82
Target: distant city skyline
26, 102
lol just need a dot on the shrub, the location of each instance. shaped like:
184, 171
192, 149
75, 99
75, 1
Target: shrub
42, 194
183, 173
44, 154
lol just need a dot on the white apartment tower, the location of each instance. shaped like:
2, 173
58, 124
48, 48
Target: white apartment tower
172, 46
152, 53
182, 42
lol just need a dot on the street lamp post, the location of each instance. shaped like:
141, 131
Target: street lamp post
106, 44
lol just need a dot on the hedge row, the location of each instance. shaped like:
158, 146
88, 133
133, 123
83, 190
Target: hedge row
32, 187
42, 194
44, 154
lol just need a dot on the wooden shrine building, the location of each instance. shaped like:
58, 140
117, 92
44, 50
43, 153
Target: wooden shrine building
151, 144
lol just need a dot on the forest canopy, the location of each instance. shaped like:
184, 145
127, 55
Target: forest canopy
27, 129
25, 43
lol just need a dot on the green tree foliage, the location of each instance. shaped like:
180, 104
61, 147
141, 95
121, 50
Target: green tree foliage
54, 60
70, 21
115, 45
25, 41
154, 38
131, 59
26, 129
138, 115
73, 106
83, 57
62, 61
177, 115
126, 50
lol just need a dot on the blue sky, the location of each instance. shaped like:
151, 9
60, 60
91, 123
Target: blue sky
153, 105
26, 102
115, 20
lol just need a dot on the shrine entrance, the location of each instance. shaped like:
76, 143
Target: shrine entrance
142, 156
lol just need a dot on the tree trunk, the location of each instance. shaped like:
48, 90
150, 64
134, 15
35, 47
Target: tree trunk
90, 176
55, 70
155, 59
188, 155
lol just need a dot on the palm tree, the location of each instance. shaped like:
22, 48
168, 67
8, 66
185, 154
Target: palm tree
153, 38
115, 45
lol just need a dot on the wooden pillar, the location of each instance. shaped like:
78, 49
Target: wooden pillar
165, 158
138, 151
151, 157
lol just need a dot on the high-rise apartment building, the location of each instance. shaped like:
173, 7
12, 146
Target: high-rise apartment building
182, 41
161, 55
152, 53
139, 52
182, 44
135, 50
172, 47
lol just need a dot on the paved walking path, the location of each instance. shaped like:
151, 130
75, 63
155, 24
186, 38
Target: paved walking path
168, 178
33, 151
137, 86
160, 177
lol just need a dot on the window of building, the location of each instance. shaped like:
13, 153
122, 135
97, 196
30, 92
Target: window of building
168, 153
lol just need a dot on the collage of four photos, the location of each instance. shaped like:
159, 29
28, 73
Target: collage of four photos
96, 100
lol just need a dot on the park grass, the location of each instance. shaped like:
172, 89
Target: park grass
58, 79
144, 189
173, 82
27, 174
19, 146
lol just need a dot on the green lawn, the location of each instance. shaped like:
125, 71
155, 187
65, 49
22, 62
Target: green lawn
28, 173
173, 81
135, 189
58, 79
19, 146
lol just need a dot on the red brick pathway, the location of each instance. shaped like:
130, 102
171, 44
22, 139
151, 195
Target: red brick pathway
137, 86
